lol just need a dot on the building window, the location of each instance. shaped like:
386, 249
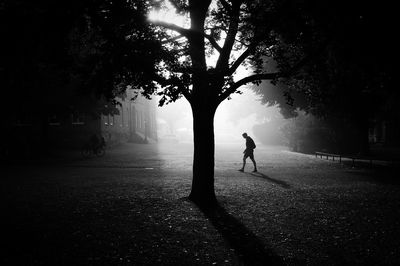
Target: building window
127, 117
109, 120
54, 120
77, 119
23, 120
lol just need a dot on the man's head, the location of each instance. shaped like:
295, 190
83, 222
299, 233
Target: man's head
244, 135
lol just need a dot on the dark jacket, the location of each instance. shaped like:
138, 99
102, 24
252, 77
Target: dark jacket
250, 145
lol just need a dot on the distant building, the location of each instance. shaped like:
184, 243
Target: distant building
135, 121
27, 130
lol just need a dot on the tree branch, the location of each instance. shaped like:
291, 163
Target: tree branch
269, 76
223, 59
164, 82
263, 76
172, 39
244, 81
240, 60
171, 26
184, 33
221, 28
213, 42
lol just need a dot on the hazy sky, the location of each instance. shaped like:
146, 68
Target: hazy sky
233, 117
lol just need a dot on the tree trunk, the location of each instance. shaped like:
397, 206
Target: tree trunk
202, 100
203, 160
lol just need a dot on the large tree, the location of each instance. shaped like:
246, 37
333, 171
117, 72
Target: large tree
236, 33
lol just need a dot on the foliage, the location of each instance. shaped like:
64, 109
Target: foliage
269, 133
306, 133
347, 67
347, 55
113, 47
241, 33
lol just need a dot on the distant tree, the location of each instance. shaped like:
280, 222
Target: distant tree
270, 132
307, 133
351, 78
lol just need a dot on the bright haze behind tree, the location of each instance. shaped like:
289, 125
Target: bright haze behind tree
232, 118
240, 114
238, 35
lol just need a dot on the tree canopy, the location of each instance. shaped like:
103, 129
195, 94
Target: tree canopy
234, 33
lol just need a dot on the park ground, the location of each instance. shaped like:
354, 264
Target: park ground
130, 208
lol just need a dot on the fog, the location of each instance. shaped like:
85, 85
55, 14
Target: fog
233, 117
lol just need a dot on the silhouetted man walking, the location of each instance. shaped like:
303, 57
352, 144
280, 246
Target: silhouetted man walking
249, 152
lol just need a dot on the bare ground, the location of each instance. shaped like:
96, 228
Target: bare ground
130, 208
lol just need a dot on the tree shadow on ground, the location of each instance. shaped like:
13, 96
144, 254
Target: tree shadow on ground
272, 180
246, 245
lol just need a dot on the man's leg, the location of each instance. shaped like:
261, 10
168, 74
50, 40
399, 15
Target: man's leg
244, 164
254, 163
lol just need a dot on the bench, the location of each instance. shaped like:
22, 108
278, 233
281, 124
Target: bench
355, 158
361, 158
327, 155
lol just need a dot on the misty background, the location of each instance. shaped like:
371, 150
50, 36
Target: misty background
242, 113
